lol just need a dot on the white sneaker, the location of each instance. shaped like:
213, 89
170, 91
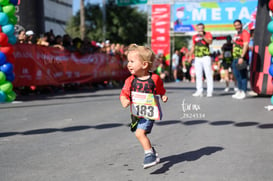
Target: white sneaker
242, 95
252, 93
209, 94
235, 95
226, 89
197, 94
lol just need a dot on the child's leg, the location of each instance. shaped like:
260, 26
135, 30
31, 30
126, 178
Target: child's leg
144, 126
143, 139
151, 157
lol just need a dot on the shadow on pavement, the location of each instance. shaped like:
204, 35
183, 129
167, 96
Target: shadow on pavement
221, 123
163, 123
194, 122
266, 126
115, 125
66, 129
107, 126
215, 123
169, 161
245, 124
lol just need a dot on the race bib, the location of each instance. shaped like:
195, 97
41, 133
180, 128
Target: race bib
145, 105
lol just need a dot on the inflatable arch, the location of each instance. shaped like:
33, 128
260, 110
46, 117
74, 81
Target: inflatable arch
260, 79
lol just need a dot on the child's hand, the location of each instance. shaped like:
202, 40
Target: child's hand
164, 98
124, 101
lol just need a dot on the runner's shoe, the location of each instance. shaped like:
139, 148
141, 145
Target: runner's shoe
149, 160
156, 154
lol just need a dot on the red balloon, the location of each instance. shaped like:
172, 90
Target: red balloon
7, 50
270, 5
3, 39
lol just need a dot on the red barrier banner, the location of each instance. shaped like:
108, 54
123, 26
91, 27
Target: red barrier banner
38, 65
161, 29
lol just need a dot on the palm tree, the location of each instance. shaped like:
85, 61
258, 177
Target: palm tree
82, 17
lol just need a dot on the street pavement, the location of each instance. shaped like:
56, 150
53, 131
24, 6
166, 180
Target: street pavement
84, 136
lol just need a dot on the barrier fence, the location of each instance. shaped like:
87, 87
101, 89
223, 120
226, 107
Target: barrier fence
41, 66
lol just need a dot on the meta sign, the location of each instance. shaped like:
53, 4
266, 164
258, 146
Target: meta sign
217, 16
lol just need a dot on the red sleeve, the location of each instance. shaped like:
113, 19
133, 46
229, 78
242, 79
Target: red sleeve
158, 85
208, 35
245, 36
126, 90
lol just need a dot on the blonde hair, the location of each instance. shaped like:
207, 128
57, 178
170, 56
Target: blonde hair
145, 53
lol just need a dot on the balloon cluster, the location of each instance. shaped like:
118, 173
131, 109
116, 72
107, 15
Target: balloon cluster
7, 39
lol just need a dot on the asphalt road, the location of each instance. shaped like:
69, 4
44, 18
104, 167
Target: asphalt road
84, 136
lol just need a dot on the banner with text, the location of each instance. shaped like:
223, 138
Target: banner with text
38, 65
217, 16
161, 30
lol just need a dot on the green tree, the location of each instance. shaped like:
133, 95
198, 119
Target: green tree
124, 24
182, 41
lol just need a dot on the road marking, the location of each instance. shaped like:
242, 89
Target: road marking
17, 102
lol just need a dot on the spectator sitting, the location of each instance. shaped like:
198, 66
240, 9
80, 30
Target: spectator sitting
99, 48
30, 37
21, 36
51, 37
117, 49
108, 50
59, 42
67, 43
112, 49
122, 47
86, 46
107, 43
77, 43
43, 40
103, 47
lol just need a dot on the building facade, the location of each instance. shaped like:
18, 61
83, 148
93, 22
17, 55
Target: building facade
56, 15
44, 15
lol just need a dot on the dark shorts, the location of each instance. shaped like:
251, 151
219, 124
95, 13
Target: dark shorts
226, 65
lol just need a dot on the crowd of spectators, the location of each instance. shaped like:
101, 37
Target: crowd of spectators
66, 42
